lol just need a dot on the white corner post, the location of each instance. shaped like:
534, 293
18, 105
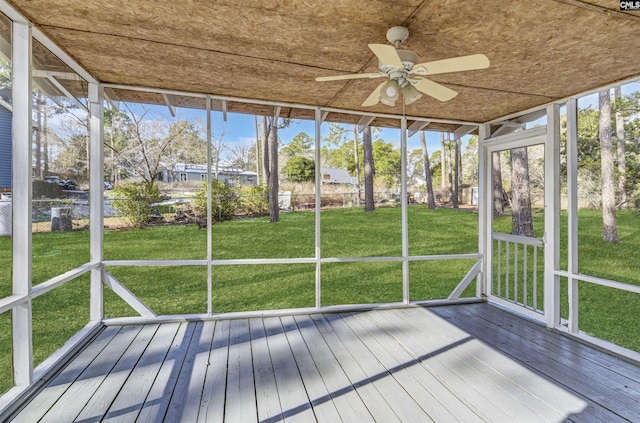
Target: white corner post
318, 181
572, 211
96, 196
21, 196
405, 204
484, 216
209, 217
552, 217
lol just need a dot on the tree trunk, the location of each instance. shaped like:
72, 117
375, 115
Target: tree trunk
443, 163
357, 160
498, 191
622, 160
274, 206
456, 182
609, 223
521, 217
431, 201
369, 204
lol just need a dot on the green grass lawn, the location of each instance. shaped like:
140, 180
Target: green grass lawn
606, 313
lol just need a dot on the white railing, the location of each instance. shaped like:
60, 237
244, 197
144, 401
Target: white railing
517, 275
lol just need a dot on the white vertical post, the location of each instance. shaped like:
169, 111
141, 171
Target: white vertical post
572, 210
96, 196
318, 252
552, 217
403, 210
484, 213
21, 200
209, 217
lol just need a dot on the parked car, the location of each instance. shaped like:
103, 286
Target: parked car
69, 184
108, 185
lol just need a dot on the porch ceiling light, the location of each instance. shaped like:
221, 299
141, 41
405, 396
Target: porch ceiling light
390, 93
410, 94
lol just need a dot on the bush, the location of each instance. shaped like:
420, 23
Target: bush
254, 200
134, 201
224, 201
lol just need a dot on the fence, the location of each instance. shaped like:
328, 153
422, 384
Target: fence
517, 273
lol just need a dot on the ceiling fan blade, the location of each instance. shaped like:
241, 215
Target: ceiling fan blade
351, 76
455, 64
435, 90
386, 54
374, 97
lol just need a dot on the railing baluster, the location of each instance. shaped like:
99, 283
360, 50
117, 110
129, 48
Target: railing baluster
499, 267
515, 272
506, 282
524, 282
535, 277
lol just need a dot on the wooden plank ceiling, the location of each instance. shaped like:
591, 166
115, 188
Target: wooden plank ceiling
540, 50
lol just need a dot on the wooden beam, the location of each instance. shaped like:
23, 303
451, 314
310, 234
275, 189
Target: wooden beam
96, 199
66, 92
112, 98
364, 122
324, 116
463, 130
59, 75
128, 296
466, 281
48, 89
416, 127
169, 103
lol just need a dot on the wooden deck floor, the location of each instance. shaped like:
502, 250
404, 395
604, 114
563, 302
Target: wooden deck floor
468, 363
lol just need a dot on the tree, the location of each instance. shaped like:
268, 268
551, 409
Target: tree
300, 145
300, 169
521, 216
470, 161
356, 159
622, 162
431, 201
387, 162
498, 190
609, 223
369, 204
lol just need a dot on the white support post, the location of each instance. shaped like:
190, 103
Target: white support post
572, 210
552, 217
209, 216
96, 196
318, 253
485, 205
404, 202
21, 200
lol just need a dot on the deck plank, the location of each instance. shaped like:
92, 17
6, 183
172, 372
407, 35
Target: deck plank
267, 398
135, 390
36, 409
156, 403
293, 396
240, 404
325, 411
185, 402
106, 393
375, 402
440, 403
469, 363
342, 393
535, 356
400, 401
215, 385
71, 403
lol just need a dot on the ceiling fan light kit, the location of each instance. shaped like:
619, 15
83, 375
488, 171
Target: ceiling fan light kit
403, 74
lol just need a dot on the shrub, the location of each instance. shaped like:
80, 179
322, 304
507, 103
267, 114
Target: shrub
254, 200
224, 201
134, 201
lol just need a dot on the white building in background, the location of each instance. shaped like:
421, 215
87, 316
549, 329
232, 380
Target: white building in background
198, 172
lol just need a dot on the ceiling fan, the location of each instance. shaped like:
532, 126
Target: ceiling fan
408, 77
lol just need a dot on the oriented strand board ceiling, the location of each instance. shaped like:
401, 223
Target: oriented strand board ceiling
540, 50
